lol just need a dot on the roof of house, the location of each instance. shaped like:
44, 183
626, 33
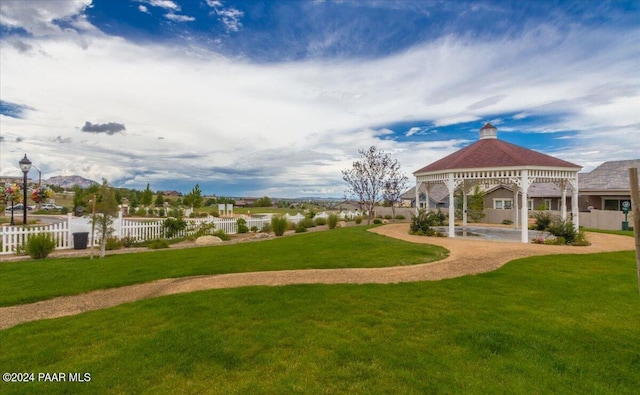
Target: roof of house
612, 175
491, 153
536, 190
438, 193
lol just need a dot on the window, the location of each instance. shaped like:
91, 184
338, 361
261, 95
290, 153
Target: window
547, 204
500, 204
530, 204
613, 204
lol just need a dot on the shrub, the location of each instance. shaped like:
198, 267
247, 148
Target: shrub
158, 244
254, 229
543, 220
320, 221
332, 221
141, 212
242, 226
301, 228
424, 220
112, 243
358, 220
172, 226
507, 222
127, 241
563, 229
223, 236
307, 223
266, 228
279, 225
377, 221
161, 212
400, 217
388, 217
39, 246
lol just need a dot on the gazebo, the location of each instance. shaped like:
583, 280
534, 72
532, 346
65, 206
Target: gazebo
490, 161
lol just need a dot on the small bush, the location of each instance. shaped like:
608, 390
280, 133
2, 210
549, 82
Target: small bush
320, 221
388, 217
112, 243
242, 226
223, 236
279, 225
563, 229
400, 217
172, 226
507, 222
543, 220
39, 246
332, 221
127, 242
158, 244
377, 221
266, 228
301, 228
358, 220
141, 212
254, 229
307, 223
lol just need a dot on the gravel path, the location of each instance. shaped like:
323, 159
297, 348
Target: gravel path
466, 257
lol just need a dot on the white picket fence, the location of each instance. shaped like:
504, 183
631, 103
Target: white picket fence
133, 229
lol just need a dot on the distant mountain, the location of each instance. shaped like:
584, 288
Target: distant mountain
68, 182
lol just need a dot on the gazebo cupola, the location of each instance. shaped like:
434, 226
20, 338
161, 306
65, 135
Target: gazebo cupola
493, 161
488, 131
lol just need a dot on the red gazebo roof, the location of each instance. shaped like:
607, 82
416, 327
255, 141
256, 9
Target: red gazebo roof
492, 153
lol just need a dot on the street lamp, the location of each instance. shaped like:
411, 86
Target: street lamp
25, 166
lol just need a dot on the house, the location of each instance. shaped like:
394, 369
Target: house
171, 193
245, 202
606, 186
541, 196
438, 196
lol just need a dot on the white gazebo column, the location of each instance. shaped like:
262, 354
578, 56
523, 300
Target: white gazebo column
418, 197
574, 203
515, 206
451, 186
563, 200
464, 206
524, 208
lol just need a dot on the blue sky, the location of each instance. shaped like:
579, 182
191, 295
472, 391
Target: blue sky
252, 98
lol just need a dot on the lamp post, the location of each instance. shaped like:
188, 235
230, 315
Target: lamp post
25, 166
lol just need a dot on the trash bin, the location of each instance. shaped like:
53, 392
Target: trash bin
625, 225
80, 240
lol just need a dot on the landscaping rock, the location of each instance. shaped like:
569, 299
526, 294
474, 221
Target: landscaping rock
208, 240
341, 224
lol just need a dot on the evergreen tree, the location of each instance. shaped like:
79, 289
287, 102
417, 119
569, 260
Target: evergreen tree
147, 197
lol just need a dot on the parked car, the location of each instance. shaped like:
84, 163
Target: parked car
51, 206
18, 207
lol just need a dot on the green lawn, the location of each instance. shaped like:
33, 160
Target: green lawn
23, 282
540, 325
611, 232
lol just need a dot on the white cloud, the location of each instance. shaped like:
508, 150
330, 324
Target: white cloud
166, 4
229, 16
285, 128
179, 18
144, 9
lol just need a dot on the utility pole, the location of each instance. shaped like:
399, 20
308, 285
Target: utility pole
635, 204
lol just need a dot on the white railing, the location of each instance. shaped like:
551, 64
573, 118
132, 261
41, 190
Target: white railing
136, 230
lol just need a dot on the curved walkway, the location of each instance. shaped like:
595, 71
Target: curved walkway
466, 257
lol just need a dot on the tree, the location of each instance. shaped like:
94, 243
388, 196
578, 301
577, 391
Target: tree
194, 198
147, 197
369, 175
159, 199
106, 209
394, 187
263, 202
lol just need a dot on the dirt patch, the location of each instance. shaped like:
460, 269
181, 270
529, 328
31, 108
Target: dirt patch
466, 257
